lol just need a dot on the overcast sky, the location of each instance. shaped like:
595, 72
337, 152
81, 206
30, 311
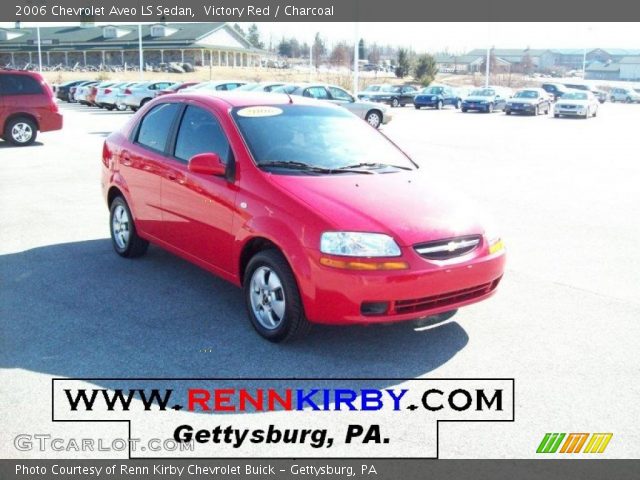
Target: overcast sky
459, 37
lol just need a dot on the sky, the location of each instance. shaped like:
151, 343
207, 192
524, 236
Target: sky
456, 37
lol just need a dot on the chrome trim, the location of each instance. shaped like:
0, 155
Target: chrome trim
451, 246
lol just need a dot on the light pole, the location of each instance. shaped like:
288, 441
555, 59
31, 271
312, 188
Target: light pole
140, 55
356, 59
39, 51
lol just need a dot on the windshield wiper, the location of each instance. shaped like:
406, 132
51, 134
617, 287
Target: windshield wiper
374, 165
295, 165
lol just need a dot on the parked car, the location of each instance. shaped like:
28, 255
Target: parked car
486, 100
576, 103
259, 87
75, 89
91, 95
529, 100
82, 92
275, 194
143, 93
108, 97
63, 90
373, 113
176, 87
555, 89
27, 106
437, 96
216, 86
369, 90
624, 94
394, 95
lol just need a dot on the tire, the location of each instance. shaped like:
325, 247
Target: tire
121, 107
556, 115
374, 118
395, 102
273, 299
21, 131
134, 109
145, 100
124, 237
439, 105
508, 112
110, 107
595, 114
417, 107
464, 110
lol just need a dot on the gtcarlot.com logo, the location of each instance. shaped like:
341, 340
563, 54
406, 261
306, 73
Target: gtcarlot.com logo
574, 443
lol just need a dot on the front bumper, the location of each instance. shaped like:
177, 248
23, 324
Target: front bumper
520, 108
336, 296
479, 107
425, 101
575, 112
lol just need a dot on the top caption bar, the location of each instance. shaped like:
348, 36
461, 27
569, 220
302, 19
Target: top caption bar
318, 11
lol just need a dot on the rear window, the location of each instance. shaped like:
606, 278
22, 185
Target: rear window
155, 126
11, 84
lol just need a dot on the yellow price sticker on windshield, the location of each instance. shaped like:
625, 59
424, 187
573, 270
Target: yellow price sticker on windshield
259, 112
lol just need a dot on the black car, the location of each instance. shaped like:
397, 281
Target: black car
394, 95
555, 89
62, 91
531, 101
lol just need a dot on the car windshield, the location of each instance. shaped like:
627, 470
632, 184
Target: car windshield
432, 90
484, 92
574, 96
319, 137
372, 88
390, 88
285, 89
248, 87
526, 94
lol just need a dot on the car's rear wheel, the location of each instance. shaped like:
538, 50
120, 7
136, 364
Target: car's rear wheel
21, 131
273, 299
395, 102
374, 118
124, 235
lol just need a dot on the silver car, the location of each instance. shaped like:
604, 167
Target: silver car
576, 103
375, 114
214, 86
108, 97
143, 93
627, 95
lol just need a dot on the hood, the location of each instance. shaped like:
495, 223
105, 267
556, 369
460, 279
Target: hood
404, 205
475, 98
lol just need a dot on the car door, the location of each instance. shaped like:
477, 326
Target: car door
197, 209
318, 92
141, 165
407, 95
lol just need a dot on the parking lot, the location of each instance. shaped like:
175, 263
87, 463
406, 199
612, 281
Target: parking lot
565, 194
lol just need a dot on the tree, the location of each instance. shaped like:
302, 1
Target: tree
238, 28
340, 54
425, 69
402, 70
493, 63
319, 49
527, 65
284, 48
362, 52
374, 54
253, 35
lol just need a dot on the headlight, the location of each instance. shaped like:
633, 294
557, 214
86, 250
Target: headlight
359, 244
494, 241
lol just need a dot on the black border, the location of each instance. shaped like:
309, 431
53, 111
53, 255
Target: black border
153, 379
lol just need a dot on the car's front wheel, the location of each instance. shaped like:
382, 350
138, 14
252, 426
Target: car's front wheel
21, 131
395, 102
124, 236
273, 299
374, 118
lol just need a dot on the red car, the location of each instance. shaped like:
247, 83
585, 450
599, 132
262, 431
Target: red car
26, 106
319, 217
176, 87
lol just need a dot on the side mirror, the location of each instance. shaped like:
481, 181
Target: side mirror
207, 164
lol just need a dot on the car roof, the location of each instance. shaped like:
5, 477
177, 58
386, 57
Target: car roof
246, 99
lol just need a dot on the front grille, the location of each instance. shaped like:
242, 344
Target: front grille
444, 299
448, 248
567, 106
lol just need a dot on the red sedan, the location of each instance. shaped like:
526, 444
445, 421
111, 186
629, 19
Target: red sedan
319, 217
176, 87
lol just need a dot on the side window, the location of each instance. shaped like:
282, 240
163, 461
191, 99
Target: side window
339, 94
316, 92
156, 125
200, 132
19, 85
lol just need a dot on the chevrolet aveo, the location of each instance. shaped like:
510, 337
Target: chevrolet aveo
316, 215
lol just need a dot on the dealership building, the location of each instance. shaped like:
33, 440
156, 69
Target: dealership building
201, 44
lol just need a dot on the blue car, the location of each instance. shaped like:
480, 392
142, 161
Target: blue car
437, 96
486, 100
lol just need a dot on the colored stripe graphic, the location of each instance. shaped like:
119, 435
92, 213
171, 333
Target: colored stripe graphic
550, 443
598, 443
574, 443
